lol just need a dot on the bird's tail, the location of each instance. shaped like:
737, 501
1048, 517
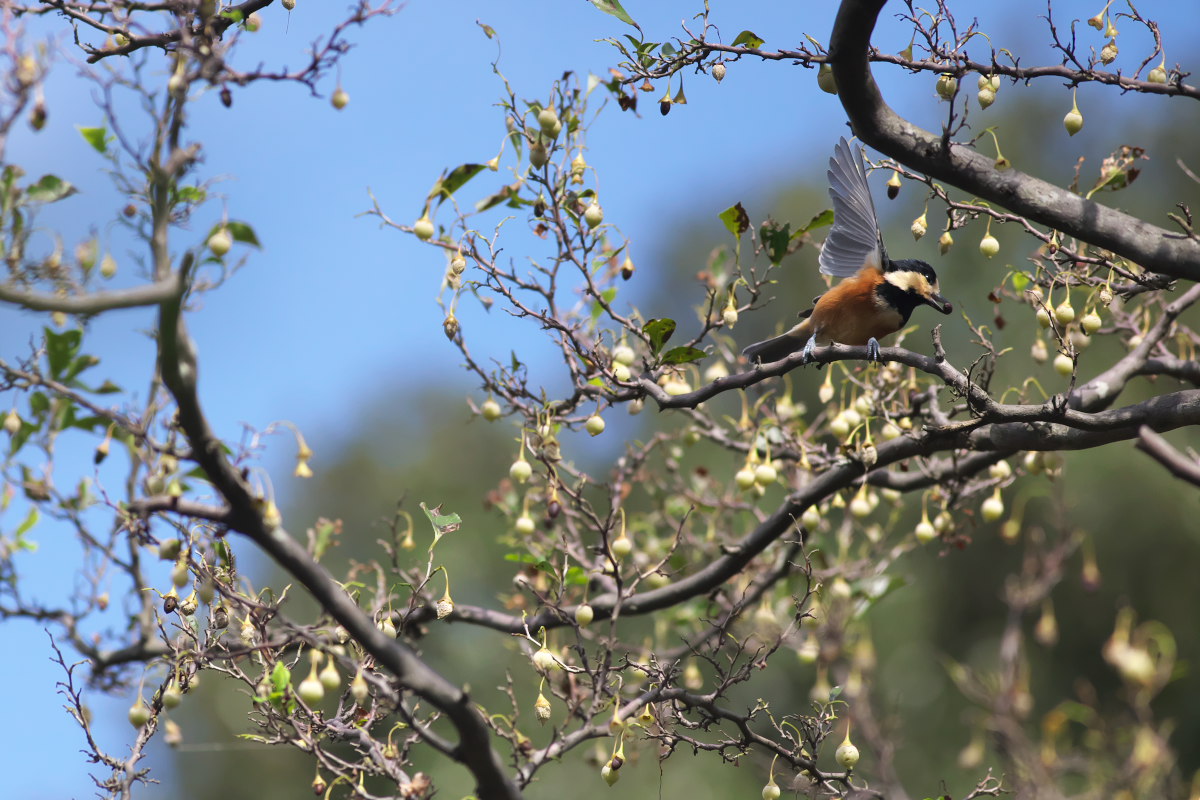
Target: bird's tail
774, 349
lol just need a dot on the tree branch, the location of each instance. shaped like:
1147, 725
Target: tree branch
874, 121
1161, 451
149, 294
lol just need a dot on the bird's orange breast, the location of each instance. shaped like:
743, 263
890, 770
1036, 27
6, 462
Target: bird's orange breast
853, 312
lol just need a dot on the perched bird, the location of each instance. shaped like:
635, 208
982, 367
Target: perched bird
877, 296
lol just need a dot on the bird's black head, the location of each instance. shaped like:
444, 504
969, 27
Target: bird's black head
910, 283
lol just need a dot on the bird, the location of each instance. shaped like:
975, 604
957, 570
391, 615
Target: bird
876, 296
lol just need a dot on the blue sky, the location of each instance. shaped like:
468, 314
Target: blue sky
335, 311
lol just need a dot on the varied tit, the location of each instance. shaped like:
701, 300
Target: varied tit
877, 295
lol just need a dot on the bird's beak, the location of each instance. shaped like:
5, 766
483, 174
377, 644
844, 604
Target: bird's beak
939, 302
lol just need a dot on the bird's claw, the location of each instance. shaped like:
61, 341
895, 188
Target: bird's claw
873, 349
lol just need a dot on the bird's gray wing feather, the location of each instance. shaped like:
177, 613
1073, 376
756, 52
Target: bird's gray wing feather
853, 240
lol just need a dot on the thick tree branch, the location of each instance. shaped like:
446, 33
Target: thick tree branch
874, 121
150, 294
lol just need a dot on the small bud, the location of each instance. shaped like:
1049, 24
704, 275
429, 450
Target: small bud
609, 774
1064, 313
1097, 21
329, 676
584, 615
621, 547
539, 156
825, 79
946, 86
627, 268
525, 525
594, 425
945, 242
310, 690
450, 326
12, 423
544, 660
744, 478
139, 714
541, 709
220, 242
548, 120
860, 506
1063, 364
988, 245
1158, 74
490, 410
1043, 317
893, 185
1108, 53
718, 72
108, 266
1038, 351
290, 5
423, 228
811, 517
593, 215
992, 509
730, 315
765, 474
919, 227
359, 689
847, 754
179, 575
925, 531
172, 695
1090, 323
1073, 121
445, 606
1000, 471
520, 471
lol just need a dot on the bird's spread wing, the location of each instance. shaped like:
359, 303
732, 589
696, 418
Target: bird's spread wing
854, 239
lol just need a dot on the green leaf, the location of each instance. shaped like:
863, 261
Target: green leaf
324, 537
49, 189
39, 404
234, 15
240, 231
505, 193
835, 693
659, 331
447, 185
736, 220
98, 138
61, 349
1019, 281
442, 523
488, 30
108, 387
819, 221
31, 519
191, 194
89, 423
576, 576
749, 39
614, 8
775, 238
682, 355
608, 295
